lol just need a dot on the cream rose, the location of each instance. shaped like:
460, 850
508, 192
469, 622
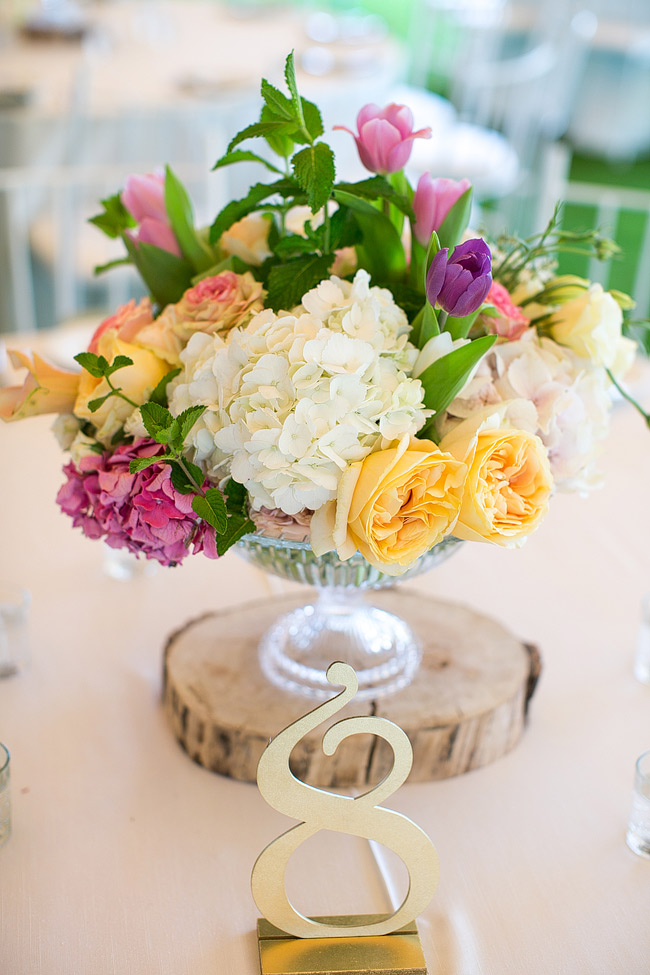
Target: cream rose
509, 479
136, 382
590, 325
248, 239
393, 506
214, 306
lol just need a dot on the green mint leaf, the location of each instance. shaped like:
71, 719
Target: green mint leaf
114, 218
288, 282
313, 167
313, 120
445, 377
211, 508
377, 188
159, 393
238, 526
257, 194
157, 419
280, 142
119, 362
140, 463
281, 107
290, 78
236, 498
91, 363
187, 419
241, 155
95, 404
181, 217
293, 244
264, 128
344, 230
181, 479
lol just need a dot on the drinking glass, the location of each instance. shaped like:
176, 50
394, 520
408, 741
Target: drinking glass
5, 805
638, 827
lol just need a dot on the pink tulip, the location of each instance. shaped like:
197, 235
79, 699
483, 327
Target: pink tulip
144, 198
385, 137
433, 200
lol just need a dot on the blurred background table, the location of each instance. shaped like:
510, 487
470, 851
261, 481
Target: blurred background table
126, 857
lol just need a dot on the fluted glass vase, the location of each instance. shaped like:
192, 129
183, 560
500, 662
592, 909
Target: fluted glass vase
339, 624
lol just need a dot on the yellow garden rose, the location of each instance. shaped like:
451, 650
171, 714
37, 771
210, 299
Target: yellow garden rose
248, 239
590, 325
393, 506
136, 381
509, 478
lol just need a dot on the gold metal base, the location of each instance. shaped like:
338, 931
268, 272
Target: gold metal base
398, 953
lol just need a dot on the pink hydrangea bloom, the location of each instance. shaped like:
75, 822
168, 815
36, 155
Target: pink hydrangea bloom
141, 512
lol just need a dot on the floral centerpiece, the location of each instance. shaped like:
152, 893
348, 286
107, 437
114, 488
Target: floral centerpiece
343, 365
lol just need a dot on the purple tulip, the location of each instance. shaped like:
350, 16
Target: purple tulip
433, 200
461, 282
385, 137
144, 198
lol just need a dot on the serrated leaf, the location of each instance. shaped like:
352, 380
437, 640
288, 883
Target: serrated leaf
288, 282
212, 508
238, 526
242, 155
141, 463
280, 143
188, 418
159, 393
453, 226
236, 497
156, 418
119, 362
279, 104
445, 377
313, 167
290, 78
293, 244
378, 188
258, 193
182, 479
95, 404
313, 119
90, 362
114, 219
262, 128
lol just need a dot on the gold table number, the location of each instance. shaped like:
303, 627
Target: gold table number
345, 940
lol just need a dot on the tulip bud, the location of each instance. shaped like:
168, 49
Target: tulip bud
144, 198
460, 283
385, 137
433, 200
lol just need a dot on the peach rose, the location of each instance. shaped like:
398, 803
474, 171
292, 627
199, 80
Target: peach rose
214, 305
127, 321
248, 239
509, 478
393, 506
46, 389
136, 381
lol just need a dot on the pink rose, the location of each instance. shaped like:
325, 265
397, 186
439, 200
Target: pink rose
214, 305
432, 202
144, 198
511, 323
385, 137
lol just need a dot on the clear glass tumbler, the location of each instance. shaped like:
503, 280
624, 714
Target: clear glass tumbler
638, 827
642, 656
14, 642
5, 800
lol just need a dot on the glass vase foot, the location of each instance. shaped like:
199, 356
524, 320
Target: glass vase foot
297, 650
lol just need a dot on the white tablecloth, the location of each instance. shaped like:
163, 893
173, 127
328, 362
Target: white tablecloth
128, 859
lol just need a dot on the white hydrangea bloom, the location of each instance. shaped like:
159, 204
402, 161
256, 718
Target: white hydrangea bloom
293, 399
572, 401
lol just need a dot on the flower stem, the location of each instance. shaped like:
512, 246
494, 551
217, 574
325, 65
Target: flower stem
629, 398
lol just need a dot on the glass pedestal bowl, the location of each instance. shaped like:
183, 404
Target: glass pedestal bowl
339, 624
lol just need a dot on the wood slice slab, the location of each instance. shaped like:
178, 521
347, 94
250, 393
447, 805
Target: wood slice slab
465, 707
